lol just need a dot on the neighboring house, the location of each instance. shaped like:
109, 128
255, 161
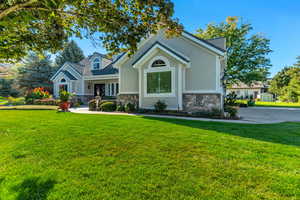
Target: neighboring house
185, 72
244, 91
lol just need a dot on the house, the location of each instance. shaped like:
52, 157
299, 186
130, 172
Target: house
185, 72
245, 91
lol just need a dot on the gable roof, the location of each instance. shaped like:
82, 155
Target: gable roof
106, 70
163, 47
76, 67
194, 38
69, 75
204, 41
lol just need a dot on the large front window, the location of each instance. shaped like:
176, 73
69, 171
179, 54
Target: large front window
159, 82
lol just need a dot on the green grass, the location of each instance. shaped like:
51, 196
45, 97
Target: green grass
29, 107
272, 104
50, 155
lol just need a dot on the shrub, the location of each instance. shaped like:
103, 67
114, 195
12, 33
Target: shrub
160, 106
36, 93
251, 102
230, 99
65, 96
232, 111
108, 107
120, 108
130, 107
92, 105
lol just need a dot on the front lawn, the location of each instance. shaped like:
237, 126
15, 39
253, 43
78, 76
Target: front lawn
277, 104
50, 155
29, 107
272, 104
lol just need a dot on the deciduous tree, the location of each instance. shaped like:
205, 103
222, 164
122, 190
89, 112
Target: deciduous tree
247, 59
38, 25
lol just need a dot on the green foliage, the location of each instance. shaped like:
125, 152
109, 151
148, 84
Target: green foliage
34, 25
35, 71
250, 102
286, 84
92, 105
232, 111
35, 94
8, 88
130, 107
230, 99
120, 108
160, 106
65, 96
108, 106
71, 53
247, 59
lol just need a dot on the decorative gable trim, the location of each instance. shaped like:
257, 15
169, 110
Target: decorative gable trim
73, 72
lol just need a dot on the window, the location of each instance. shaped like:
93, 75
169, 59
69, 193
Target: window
96, 64
159, 82
159, 63
63, 80
112, 89
158, 78
117, 88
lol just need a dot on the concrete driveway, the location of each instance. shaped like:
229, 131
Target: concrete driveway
270, 114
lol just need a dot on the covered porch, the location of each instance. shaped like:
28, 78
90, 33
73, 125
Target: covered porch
107, 87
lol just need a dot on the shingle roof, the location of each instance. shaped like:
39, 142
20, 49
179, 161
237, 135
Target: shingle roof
106, 71
69, 75
78, 67
205, 41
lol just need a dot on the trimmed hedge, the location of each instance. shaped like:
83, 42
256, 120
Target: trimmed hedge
108, 107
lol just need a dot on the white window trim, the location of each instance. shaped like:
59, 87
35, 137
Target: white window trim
158, 58
93, 62
167, 68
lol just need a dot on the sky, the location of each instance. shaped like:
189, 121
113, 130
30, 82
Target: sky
277, 20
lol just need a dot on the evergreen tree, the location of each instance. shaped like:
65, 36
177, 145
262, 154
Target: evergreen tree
71, 53
35, 71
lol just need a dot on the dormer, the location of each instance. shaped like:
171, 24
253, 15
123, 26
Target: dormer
96, 63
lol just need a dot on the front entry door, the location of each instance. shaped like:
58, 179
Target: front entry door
99, 90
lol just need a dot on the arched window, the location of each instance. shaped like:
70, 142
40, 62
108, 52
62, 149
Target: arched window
63, 80
96, 64
158, 63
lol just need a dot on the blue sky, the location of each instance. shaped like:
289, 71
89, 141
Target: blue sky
278, 20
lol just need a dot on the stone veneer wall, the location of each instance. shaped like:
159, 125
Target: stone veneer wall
201, 102
128, 98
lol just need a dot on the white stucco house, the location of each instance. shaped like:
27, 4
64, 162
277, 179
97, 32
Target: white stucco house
185, 72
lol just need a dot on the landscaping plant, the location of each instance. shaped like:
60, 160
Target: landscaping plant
64, 100
108, 107
130, 107
160, 106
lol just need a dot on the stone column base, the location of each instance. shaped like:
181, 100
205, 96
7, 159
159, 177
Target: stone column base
202, 102
128, 98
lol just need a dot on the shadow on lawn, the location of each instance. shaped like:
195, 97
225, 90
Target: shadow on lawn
282, 133
33, 188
